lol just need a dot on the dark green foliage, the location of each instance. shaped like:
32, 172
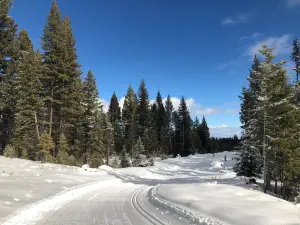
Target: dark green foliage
46, 147
91, 108
296, 57
62, 83
169, 109
29, 107
143, 109
185, 128
196, 140
129, 120
161, 124
124, 158
8, 55
138, 151
114, 109
204, 133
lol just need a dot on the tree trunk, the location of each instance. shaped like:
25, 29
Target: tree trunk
107, 155
51, 112
36, 125
264, 154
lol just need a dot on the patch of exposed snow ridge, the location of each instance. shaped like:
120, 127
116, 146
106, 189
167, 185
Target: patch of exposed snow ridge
190, 216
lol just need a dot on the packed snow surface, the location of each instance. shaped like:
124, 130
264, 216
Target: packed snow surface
201, 188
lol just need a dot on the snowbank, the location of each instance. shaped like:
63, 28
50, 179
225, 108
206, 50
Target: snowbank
180, 212
227, 204
106, 168
216, 165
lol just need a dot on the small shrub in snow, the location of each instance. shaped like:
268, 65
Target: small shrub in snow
163, 157
62, 156
46, 147
24, 154
10, 151
297, 199
178, 156
138, 150
124, 159
72, 161
151, 161
95, 160
115, 163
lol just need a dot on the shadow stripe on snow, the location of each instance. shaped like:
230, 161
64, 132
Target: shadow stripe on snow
188, 215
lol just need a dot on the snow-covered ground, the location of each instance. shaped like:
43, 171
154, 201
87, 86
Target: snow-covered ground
207, 186
24, 182
201, 188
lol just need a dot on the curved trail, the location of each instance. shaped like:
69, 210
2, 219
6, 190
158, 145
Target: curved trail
122, 204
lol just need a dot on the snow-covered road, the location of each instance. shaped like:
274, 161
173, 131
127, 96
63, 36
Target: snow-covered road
200, 189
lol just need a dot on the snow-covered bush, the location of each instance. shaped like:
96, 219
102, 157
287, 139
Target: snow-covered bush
24, 154
95, 160
151, 161
124, 159
10, 151
115, 163
178, 156
164, 156
297, 199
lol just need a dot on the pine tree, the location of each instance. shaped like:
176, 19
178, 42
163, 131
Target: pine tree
142, 110
138, 150
150, 135
185, 127
114, 109
90, 115
52, 45
169, 109
196, 140
8, 56
161, 124
62, 155
296, 57
124, 158
62, 82
71, 86
129, 120
204, 135
28, 118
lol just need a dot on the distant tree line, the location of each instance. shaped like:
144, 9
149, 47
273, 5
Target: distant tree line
49, 113
270, 117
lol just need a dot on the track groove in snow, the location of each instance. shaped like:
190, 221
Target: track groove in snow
34, 212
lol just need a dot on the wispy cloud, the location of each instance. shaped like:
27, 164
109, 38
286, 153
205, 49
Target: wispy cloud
292, 3
281, 45
224, 131
254, 36
238, 18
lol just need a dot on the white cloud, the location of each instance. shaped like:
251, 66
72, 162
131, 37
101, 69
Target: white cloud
121, 102
281, 45
238, 18
292, 3
194, 108
105, 104
224, 131
254, 36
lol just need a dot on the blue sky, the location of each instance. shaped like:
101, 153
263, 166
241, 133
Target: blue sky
199, 49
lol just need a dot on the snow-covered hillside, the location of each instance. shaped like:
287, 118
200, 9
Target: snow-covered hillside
200, 188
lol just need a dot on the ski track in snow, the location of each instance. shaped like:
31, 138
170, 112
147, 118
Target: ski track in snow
201, 189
